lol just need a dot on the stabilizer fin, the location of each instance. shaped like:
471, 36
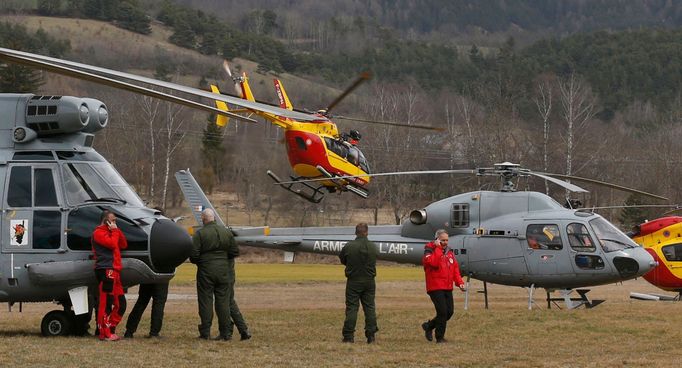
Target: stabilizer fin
282, 96
195, 196
220, 120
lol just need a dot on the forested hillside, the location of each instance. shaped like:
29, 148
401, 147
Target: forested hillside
604, 104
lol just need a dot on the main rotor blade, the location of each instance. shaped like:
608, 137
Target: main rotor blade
396, 173
120, 85
614, 186
363, 77
561, 183
415, 126
87, 71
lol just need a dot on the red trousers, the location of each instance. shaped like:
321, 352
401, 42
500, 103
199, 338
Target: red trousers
112, 301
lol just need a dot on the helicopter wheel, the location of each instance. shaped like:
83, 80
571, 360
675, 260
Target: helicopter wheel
56, 323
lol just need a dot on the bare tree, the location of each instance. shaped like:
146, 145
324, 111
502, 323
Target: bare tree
577, 110
543, 101
174, 137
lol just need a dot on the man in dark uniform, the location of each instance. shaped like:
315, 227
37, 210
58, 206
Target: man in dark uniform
213, 251
237, 319
360, 258
158, 293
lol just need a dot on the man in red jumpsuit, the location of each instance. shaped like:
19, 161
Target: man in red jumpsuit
441, 270
107, 242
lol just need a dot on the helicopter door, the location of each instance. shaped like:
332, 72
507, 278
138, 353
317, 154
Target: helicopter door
545, 253
34, 217
587, 258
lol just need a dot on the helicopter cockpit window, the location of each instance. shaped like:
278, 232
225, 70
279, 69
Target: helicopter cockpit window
579, 238
337, 147
354, 156
460, 215
610, 238
84, 220
82, 184
33, 156
47, 229
117, 183
363, 162
19, 192
300, 143
544, 237
79, 156
45, 194
673, 252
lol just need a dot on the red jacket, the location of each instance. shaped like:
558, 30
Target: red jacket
441, 270
107, 245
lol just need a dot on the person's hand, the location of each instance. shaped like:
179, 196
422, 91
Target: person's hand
462, 287
112, 225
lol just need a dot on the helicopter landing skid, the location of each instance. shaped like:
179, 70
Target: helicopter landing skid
308, 192
343, 186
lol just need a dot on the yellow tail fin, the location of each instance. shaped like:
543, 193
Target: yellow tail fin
282, 95
220, 120
246, 89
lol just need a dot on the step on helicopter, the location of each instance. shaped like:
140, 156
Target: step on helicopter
508, 237
315, 147
53, 188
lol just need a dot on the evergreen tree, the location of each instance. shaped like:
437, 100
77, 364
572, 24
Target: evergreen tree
183, 35
49, 7
132, 18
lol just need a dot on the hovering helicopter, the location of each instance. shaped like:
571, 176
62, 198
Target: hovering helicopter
315, 149
662, 238
508, 237
53, 188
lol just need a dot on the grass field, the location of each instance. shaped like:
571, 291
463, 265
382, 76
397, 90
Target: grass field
296, 320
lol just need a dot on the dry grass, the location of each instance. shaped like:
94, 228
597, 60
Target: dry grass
296, 322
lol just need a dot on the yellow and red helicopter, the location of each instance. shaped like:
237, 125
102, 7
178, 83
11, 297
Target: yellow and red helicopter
318, 153
662, 238
316, 149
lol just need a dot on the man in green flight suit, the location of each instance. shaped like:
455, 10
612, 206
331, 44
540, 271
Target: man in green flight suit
213, 251
360, 258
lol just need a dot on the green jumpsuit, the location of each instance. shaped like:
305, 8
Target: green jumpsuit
213, 251
360, 258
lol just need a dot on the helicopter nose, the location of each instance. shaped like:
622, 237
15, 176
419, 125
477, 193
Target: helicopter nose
169, 245
637, 263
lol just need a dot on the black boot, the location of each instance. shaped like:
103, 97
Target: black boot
244, 335
428, 332
348, 339
370, 337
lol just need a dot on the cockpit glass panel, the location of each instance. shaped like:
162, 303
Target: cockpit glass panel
79, 156
610, 238
673, 252
82, 184
544, 236
83, 221
112, 177
33, 156
580, 238
19, 192
45, 194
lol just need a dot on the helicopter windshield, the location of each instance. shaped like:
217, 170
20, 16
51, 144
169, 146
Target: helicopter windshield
348, 152
610, 238
89, 182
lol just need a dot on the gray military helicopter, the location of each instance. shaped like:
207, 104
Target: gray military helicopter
509, 237
54, 186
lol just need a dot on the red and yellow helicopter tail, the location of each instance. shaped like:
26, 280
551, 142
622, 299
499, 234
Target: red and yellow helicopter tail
662, 238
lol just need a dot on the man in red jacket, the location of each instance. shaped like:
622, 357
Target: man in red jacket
441, 270
107, 242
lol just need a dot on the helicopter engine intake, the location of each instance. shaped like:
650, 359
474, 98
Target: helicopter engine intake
52, 115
